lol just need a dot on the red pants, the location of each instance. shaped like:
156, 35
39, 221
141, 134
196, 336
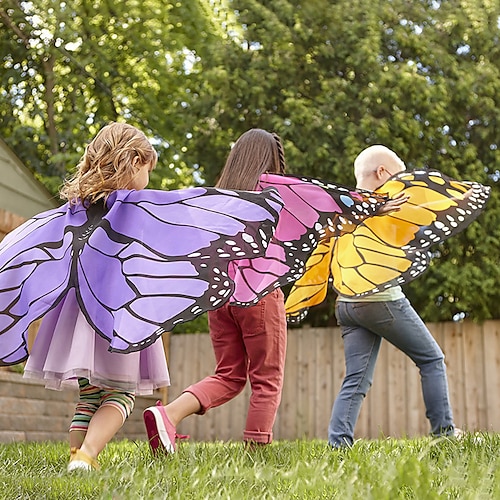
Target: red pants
249, 343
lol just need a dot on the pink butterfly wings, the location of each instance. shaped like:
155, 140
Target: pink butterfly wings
313, 209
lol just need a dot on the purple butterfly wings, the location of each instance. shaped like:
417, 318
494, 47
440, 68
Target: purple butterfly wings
172, 264
151, 260
36, 256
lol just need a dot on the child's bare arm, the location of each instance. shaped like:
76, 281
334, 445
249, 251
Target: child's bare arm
394, 204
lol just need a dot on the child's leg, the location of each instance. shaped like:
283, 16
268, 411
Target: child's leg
76, 438
266, 348
227, 382
181, 407
88, 404
106, 422
115, 408
230, 375
99, 415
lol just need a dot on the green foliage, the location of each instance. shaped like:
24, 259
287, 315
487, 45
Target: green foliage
69, 68
383, 469
330, 77
197, 325
420, 77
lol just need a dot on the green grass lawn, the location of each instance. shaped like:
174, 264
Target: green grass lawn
422, 468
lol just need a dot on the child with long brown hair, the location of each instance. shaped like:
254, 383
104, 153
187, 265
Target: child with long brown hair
249, 342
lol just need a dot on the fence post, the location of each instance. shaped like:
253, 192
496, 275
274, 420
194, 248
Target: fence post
165, 338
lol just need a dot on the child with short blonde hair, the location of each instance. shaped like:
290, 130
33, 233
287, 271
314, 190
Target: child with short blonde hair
119, 157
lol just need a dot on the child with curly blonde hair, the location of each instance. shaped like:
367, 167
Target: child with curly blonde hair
67, 346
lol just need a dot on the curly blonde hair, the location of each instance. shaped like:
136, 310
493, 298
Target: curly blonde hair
110, 162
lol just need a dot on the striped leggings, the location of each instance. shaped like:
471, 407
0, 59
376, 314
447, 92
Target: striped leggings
92, 398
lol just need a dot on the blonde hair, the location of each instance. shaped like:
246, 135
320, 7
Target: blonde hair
255, 152
109, 163
372, 157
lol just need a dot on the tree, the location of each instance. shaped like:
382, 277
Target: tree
421, 77
70, 67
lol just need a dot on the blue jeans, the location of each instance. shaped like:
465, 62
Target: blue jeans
363, 325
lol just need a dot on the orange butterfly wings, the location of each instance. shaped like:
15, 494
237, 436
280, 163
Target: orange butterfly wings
389, 250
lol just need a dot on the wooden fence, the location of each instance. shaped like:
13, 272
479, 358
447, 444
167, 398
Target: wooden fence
314, 372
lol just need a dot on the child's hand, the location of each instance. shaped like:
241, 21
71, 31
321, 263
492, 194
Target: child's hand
468, 193
394, 204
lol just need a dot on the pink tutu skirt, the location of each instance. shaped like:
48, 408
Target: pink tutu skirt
67, 348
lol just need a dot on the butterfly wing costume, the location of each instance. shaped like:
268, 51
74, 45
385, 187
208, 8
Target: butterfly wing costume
393, 249
145, 262
149, 260
313, 209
